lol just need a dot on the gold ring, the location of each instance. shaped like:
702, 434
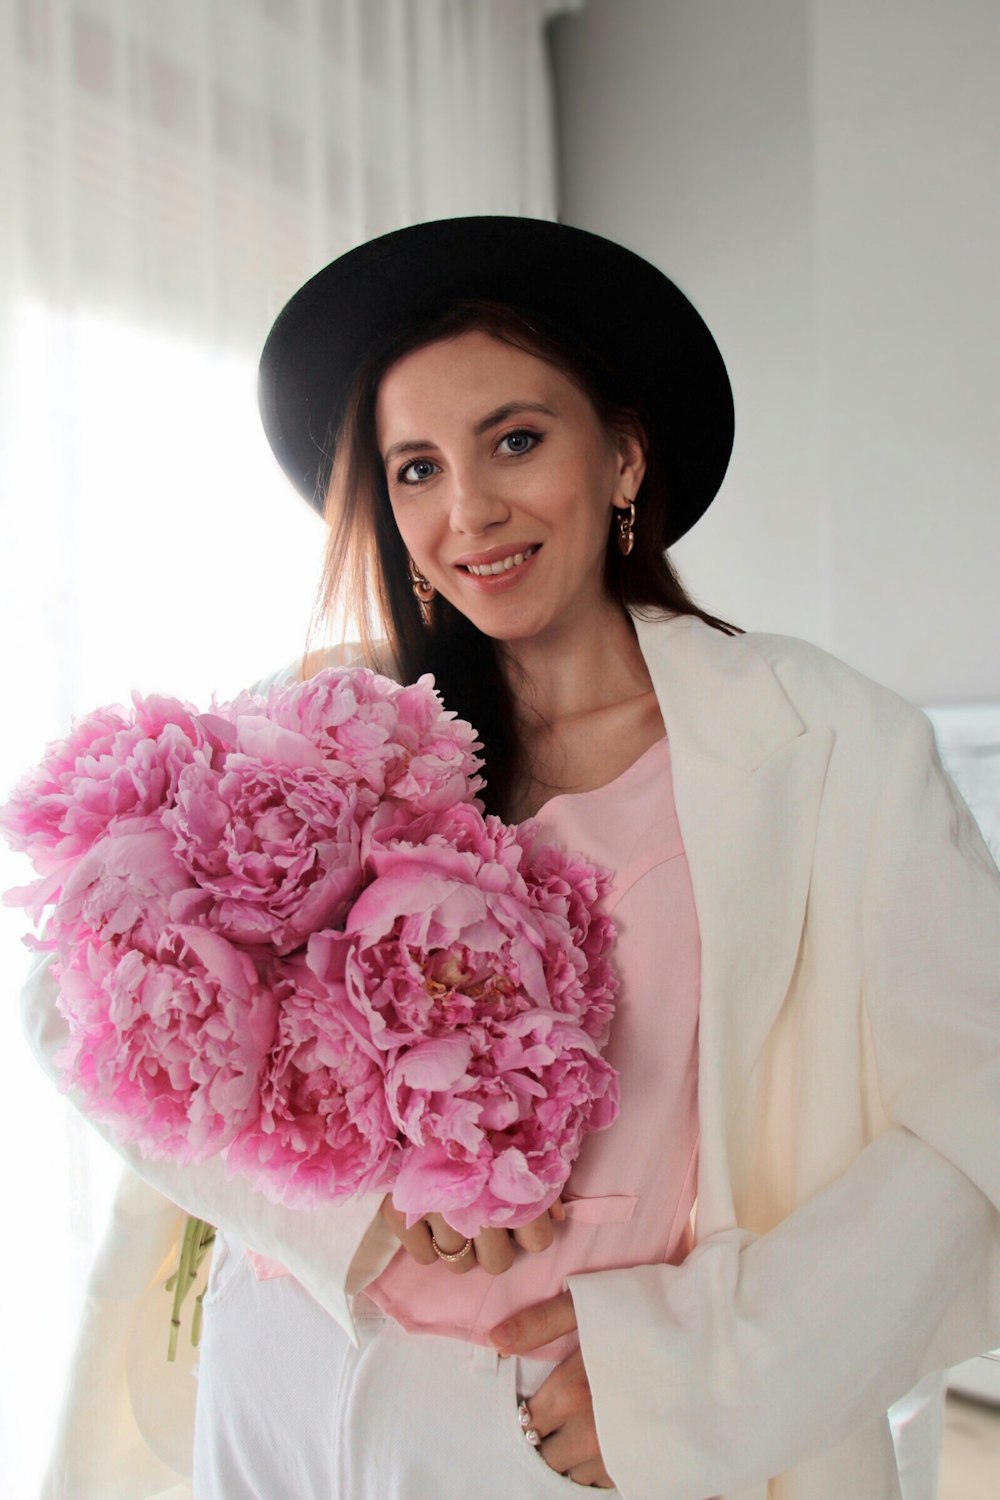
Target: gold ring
452, 1255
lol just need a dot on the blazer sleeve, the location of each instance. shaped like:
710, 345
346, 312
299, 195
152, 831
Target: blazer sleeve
760, 1353
333, 1251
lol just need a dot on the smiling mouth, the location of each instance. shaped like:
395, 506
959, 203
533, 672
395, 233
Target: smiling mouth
490, 570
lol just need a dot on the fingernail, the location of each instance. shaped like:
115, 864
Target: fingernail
557, 1212
502, 1334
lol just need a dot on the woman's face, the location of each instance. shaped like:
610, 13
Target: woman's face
502, 481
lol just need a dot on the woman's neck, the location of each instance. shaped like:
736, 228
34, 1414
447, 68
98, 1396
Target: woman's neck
555, 680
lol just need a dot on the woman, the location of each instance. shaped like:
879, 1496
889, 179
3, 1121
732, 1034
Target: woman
520, 417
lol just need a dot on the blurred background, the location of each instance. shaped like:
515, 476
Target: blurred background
819, 175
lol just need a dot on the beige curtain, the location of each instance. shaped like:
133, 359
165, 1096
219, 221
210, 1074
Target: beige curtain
170, 173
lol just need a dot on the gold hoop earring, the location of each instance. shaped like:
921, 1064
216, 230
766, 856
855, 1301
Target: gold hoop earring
424, 592
626, 529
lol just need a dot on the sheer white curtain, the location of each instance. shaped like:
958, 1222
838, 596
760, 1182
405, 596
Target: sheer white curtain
170, 173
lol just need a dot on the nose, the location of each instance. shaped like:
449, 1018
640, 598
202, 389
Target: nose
475, 505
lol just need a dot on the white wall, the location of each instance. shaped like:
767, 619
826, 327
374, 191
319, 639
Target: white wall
821, 178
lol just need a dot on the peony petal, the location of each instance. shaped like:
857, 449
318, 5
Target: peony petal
268, 742
435, 1065
429, 1180
225, 963
512, 1180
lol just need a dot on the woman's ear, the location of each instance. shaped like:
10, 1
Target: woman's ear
630, 441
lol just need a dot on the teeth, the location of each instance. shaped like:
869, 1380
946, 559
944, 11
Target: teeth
488, 569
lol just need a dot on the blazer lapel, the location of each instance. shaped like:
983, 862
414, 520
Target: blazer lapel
748, 778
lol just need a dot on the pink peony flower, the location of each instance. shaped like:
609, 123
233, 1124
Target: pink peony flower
285, 929
474, 987
390, 741
123, 888
556, 897
167, 1049
274, 849
495, 1117
107, 768
324, 1130
426, 951
437, 767
570, 891
464, 841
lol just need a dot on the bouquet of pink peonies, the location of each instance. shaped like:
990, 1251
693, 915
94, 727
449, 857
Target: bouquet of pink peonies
284, 930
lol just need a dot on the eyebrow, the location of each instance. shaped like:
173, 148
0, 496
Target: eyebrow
509, 408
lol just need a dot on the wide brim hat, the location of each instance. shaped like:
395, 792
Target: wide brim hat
604, 296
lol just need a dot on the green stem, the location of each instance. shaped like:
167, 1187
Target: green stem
195, 1243
196, 1319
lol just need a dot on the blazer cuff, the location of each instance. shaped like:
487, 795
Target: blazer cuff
759, 1353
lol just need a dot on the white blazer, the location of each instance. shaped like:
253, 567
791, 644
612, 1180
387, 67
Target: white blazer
847, 1229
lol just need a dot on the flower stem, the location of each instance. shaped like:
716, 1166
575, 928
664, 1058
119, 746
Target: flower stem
196, 1241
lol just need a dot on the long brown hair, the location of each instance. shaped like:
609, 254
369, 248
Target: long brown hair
366, 565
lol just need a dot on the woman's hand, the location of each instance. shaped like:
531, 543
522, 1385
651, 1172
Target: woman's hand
493, 1249
562, 1409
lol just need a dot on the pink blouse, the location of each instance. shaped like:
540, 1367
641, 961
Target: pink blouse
630, 1195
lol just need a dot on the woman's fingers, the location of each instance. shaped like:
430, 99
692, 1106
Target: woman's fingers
493, 1249
451, 1242
416, 1241
574, 1446
535, 1326
564, 1399
562, 1412
539, 1234
593, 1473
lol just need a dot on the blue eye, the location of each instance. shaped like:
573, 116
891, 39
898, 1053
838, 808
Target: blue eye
520, 441
422, 470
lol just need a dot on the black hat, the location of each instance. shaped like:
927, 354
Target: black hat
606, 297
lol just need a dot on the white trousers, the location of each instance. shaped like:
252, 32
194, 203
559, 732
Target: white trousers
288, 1409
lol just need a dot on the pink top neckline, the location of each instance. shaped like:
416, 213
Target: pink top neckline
606, 786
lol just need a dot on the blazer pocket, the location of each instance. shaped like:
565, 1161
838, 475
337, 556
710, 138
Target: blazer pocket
611, 1208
